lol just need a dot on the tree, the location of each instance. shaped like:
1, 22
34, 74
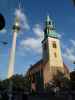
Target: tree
61, 81
20, 85
72, 80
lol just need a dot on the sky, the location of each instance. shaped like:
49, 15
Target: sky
32, 20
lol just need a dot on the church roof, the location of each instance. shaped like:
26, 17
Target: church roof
36, 64
41, 64
52, 34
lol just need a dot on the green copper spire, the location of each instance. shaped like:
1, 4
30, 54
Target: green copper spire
48, 19
49, 28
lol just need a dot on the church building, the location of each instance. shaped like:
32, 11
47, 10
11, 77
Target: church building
44, 71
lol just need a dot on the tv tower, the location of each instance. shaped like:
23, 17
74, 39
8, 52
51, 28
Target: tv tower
16, 28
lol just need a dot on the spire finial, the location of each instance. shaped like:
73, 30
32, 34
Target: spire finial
47, 18
19, 5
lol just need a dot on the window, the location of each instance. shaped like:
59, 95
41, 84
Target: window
54, 45
55, 55
49, 23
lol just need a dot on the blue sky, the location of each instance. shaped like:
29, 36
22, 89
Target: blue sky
33, 14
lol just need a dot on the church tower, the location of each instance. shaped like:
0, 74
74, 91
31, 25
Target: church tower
51, 51
51, 66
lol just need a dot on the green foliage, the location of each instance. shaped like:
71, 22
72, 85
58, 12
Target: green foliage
72, 80
22, 84
61, 81
19, 83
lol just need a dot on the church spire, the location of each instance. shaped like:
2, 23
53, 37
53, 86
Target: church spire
49, 23
49, 28
48, 18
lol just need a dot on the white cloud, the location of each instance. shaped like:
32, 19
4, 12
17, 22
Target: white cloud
31, 44
3, 31
73, 42
70, 57
34, 43
69, 52
37, 29
60, 35
23, 19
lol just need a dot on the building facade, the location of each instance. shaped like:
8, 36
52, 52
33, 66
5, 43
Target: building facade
44, 71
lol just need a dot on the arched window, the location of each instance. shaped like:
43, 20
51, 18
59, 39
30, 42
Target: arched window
54, 45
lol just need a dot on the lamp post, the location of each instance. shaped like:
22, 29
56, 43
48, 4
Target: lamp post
73, 2
2, 22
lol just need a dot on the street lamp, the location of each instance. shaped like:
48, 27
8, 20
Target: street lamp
73, 2
2, 22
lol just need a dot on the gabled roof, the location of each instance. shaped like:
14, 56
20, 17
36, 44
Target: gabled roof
41, 64
36, 64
